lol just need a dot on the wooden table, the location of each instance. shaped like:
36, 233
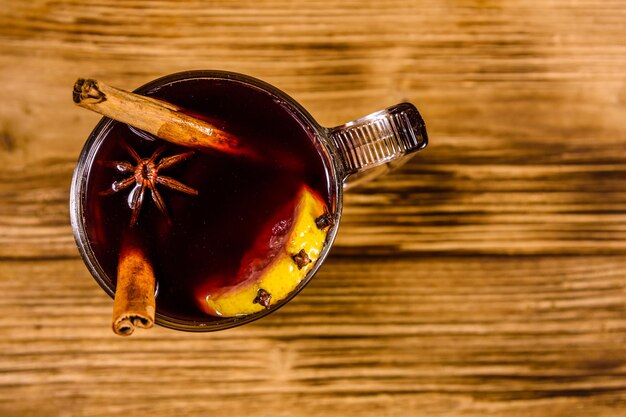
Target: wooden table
486, 277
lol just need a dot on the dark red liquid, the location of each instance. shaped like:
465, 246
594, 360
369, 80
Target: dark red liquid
209, 234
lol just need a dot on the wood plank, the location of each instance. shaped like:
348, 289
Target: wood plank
454, 335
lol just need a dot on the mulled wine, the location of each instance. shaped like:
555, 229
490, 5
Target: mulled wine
211, 219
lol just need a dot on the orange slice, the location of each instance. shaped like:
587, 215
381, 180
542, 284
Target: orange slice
293, 247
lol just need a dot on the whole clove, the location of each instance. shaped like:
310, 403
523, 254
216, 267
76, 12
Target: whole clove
324, 221
263, 297
301, 259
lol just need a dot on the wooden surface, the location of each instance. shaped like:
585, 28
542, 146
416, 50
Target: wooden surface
487, 277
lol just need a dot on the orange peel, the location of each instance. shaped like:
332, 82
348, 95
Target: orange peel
295, 257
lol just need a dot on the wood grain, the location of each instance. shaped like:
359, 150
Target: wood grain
485, 277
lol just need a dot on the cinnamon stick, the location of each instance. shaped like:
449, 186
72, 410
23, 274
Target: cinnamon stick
134, 304
164, 120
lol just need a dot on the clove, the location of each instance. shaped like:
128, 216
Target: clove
301, 259
263, 297
324, 220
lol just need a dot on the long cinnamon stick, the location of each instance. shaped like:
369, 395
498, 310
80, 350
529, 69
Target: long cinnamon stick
163, 120
134, 304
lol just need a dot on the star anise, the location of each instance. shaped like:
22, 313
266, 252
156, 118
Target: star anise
146, 175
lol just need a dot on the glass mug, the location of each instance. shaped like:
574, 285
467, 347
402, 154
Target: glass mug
351, 153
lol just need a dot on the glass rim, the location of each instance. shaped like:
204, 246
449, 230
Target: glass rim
97, 135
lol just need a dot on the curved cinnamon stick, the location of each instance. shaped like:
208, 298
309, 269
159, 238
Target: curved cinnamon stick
134, 304
163, 120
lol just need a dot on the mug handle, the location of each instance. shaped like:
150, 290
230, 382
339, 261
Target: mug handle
375, 144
